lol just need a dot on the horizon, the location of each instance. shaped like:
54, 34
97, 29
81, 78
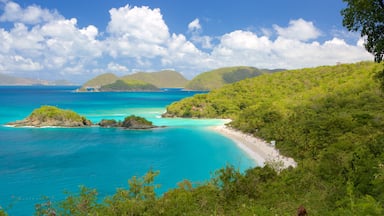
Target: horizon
77, 41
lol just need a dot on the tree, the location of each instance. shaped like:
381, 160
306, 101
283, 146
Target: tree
367, 16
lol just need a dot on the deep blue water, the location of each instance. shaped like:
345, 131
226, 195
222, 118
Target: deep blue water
37, 162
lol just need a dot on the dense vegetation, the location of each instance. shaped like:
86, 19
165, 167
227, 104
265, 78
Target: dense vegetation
130, 122
129, 85
330, 119
217, 78
53, 116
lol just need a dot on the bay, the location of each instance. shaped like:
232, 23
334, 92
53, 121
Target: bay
38, 162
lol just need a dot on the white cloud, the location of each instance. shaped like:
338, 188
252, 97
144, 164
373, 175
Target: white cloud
299, 30
194, 25
115, 67
195, 29
139, 24
137, 32
42, 41
30, 15
246, 48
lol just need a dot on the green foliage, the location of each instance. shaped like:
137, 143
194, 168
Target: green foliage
330, 119
52, 113
128, 85
368, 17
2, 212
133, 120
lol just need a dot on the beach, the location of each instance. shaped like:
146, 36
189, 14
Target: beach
259, 150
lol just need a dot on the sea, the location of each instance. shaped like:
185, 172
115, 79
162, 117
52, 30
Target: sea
48, 163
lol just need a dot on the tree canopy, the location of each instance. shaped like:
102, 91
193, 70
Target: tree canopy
367, 16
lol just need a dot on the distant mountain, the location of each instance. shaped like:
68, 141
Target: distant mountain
161, 79
7, 80
217, 78
128, 85
154, 80
97, 82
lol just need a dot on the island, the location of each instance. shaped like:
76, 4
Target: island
51, 116
130, 122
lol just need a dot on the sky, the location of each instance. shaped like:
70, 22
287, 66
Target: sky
78, 40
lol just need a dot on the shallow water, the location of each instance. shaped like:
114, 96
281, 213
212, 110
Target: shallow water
37, 162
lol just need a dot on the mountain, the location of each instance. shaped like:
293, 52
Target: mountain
97, 82
128, 85
7, 80
161, 79
217, 78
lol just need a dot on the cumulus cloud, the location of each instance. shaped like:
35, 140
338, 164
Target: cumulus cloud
138, 23
194, 25
43, 41
30, 15
195, 29
136, 32
115, 67
299, 30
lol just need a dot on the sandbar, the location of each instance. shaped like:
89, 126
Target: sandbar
259, 150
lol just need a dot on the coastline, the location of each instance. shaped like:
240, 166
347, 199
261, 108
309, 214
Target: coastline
258, 149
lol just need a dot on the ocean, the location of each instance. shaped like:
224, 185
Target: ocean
47, 162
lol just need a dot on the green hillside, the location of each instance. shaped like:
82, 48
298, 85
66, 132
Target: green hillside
161, 79
217, 78
97, 82
128, 85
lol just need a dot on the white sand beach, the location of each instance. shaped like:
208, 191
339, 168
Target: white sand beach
259, 150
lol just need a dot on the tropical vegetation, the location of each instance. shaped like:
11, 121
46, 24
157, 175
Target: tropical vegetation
129, 122
53, 116
329, 119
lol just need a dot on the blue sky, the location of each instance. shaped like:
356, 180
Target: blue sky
77, 40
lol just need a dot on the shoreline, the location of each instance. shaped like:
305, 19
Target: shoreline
259, 150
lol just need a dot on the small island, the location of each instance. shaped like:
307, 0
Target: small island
130, 122
51, 116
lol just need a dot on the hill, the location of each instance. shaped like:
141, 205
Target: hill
161, 79
97, 82
329, 119
128, 85
217, 78
8, 80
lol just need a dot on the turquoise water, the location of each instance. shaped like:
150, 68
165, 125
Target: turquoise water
37, 162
